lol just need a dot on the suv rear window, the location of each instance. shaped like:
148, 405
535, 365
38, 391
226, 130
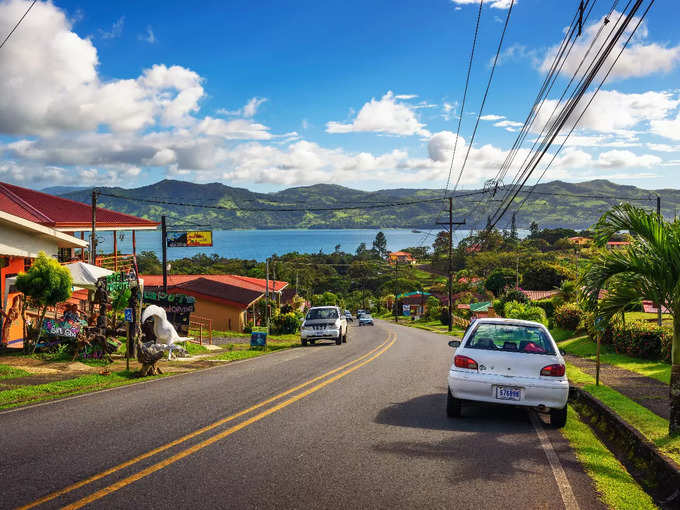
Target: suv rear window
510, 338
322, 313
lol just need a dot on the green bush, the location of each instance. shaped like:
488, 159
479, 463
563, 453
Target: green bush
641, 339
248, 328
544, 276
548, 306
432, 308
444, 315
284, 323
525, 311
568, 316
515, 295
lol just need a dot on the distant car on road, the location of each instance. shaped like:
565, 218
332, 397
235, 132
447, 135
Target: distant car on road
365, 319
348, 316
508, 361
360, 313
324, 323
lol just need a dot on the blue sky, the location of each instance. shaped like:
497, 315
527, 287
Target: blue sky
272, 95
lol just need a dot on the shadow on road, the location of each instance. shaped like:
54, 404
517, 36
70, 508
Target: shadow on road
429, 412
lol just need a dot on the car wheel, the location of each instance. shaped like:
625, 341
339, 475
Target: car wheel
452, 406
344, 338
313, 342
558, 417
304, 342
338, 340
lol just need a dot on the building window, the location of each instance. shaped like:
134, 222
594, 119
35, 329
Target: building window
64, 255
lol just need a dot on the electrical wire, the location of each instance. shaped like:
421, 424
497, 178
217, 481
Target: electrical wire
18, 23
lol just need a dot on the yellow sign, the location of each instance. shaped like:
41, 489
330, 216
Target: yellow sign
190, 238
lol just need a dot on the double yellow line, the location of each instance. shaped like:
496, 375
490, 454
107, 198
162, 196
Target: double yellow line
339, 372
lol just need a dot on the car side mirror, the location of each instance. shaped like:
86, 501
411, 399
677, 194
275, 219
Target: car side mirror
562, 352
454, 343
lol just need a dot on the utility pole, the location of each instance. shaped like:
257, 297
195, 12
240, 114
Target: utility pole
164, 251
658, 212
266, 295
93, 233
451, 223
396, 271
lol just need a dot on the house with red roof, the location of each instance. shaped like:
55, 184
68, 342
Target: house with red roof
227, 300
401, 257
69, 216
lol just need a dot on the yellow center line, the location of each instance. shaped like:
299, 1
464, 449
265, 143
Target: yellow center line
217, 437
191, 435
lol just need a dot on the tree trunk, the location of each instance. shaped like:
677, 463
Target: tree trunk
674, 424
40, 323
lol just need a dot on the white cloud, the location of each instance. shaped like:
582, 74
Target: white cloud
492, 117
612, 110
386, 115
116, 29
237, 129
55, 86
497, 4
508, 124
405, 96
668, 128
149, 36
662, 147
640, 58
248, 110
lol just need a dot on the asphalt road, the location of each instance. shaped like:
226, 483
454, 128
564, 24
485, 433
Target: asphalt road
360, 425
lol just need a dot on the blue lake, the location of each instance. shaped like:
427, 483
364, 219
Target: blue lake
260, 244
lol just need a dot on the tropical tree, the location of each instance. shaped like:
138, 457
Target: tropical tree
380, 244
648, 268
45, 284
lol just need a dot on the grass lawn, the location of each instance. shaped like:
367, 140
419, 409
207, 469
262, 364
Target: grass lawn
559, 334
612, 481
24, 395
8, 372
240, 334
242, 351
651, 425
642, 316
584, 347
435, 326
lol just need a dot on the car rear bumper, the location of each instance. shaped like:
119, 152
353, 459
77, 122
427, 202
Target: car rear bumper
534, 392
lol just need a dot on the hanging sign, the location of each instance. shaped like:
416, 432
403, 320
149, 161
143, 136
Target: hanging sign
190, 238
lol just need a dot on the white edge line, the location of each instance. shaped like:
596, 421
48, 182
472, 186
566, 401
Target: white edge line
563, 484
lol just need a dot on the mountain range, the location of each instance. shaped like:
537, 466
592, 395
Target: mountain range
552, 204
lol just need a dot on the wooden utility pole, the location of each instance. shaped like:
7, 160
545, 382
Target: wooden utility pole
266, 295
396, 274
450, 224
93, 233
164, 251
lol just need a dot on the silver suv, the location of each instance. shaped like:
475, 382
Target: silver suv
324, 323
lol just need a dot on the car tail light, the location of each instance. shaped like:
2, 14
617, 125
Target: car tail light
465, 362
553, 370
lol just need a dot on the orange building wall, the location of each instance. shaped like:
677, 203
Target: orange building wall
220, 314
16, 266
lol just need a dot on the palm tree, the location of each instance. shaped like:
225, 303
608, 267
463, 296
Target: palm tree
649, 268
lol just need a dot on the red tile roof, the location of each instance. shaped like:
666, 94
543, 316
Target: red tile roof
259, 284
536, 295
226, 293
649, 307
61, 212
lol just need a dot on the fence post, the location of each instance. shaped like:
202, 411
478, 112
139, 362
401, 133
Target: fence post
200, 335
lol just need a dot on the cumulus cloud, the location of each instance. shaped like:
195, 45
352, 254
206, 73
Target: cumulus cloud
640, 58
668, 128
248, 110
386, 115
612, 110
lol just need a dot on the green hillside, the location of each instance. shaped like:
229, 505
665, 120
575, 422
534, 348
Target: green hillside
547, 205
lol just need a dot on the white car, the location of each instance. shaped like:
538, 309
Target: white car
509, 361
324, 323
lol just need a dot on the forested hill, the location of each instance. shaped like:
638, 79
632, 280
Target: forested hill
550, 205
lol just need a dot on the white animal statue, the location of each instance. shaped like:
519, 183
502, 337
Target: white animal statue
165, 332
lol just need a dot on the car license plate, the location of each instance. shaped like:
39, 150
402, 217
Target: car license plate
508, 393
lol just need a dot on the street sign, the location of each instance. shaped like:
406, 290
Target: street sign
258, 338
189, 238
128, 315
406, 310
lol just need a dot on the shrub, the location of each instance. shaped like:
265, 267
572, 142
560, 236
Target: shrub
543, 276
643, 339
568, 316
547, 305
432, 308
524, 311
511, 295
499, 279
284, 323
248, 328
444, 315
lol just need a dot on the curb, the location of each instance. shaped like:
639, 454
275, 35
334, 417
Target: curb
655, 472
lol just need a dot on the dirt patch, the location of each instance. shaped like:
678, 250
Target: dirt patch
646, 391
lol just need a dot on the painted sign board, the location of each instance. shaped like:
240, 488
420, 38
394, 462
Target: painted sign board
190, 238
406, 310
128, 315
258, 339
69, 329
178, 308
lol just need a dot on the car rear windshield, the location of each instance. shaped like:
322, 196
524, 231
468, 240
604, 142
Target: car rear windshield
322, 313
510, 338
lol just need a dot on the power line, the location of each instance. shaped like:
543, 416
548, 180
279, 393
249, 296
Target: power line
18, 23
283, 209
